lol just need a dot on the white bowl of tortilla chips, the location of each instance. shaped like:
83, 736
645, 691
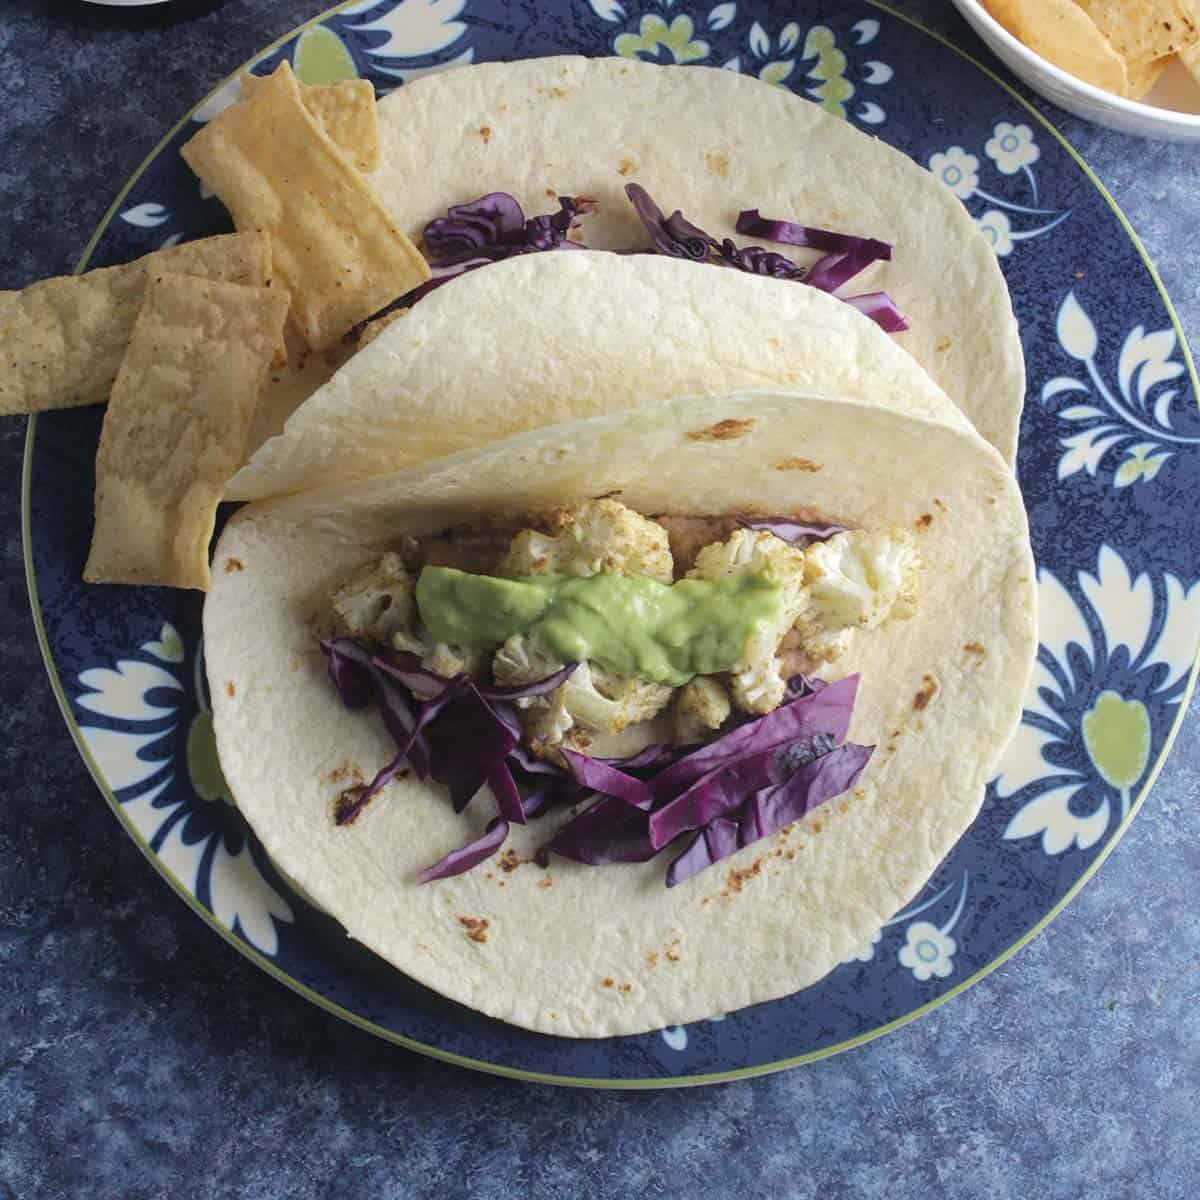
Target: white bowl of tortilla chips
1131, 65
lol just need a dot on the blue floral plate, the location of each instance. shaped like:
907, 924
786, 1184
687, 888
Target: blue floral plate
1109, 465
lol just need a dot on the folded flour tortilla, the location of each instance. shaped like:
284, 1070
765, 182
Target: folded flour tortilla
589, 952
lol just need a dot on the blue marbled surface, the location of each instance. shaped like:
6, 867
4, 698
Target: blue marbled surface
142, 1057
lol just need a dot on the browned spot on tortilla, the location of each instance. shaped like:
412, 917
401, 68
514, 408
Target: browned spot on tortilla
790, 855
551, 193
229, 688
942, 345
233, 564
347, 771
928, 689
502, 108
923, 521
545, 883
485, 132
607, 981
476, 928
891, 747
816, 827
736, 877
625, 166
843, 806
626, 988
974, 648
722, 431
718, 164
555, 93
672, 956
510, 860
938, 504
652, 958
796, 464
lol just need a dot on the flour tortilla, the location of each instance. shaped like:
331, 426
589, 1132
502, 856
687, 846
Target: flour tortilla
712, 142
549, 337
940, 696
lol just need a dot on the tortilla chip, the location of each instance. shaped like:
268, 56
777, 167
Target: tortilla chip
176, 427
1142, 30
287, 387
372, 329
1143, 76
345, 110
1190, 57
1063, 34
61, 340
335, 247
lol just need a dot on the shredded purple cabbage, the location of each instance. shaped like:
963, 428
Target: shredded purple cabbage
847, 255
609, 831
603, 777
754, 779
880, 307
826, 710
795, 533
792, 234
769, 810
494, 227
468, 856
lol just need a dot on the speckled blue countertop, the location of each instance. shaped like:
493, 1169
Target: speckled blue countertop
142, 1057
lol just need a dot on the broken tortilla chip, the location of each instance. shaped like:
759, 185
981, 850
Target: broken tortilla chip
62, 340
345, 111
1142, 30
1144, 75
335, 247
1063, 34
176, 425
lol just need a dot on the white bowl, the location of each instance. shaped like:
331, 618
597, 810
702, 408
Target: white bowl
1171, 112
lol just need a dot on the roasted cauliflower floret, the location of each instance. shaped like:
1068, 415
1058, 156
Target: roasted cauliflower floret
592, 698
378, 606
856, 580
756, 680
699, 708
377, 602
597, 536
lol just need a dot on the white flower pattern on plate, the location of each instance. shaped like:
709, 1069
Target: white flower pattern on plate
997, 228
928, 952
958, 170
1108, 662
1012, 148
1136, 417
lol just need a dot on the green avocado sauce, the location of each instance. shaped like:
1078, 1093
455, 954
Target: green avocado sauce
632, 625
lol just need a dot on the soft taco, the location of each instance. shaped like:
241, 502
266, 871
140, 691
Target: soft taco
631, 720
475, 161
560, 335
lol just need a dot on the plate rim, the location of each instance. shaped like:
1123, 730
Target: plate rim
500, 1069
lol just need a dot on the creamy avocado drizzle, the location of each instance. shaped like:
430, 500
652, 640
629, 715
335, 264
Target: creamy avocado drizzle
632, 625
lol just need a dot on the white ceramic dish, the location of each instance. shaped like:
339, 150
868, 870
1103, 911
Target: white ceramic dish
1171, 112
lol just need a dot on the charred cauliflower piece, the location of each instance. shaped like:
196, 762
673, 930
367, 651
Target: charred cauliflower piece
592, 698
597, 536
756, 681
700, 707
377, 602
378, 606
855, 581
